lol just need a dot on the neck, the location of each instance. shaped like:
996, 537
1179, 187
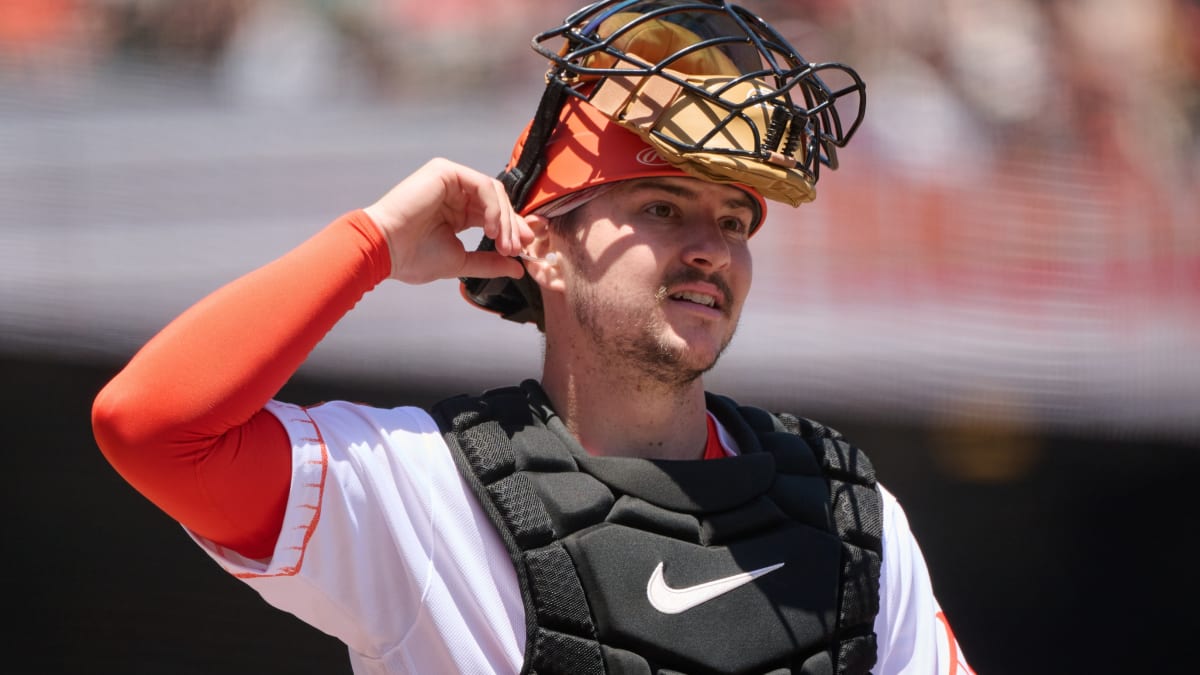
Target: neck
617, 411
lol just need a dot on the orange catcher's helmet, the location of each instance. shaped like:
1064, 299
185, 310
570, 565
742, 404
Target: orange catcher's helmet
698, 88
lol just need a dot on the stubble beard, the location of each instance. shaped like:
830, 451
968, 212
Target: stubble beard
638, 339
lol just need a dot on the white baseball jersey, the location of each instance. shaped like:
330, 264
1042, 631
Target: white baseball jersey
384, 546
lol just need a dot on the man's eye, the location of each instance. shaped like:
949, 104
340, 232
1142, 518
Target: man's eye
736, 225
660, 210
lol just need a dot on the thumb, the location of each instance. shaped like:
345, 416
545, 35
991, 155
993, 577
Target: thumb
489, 265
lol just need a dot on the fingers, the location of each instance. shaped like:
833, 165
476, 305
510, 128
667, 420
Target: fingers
423, 216
495, 213
489, 264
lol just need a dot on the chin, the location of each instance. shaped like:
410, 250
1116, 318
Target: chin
697, 353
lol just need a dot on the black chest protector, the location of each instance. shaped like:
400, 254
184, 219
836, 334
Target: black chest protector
767, 562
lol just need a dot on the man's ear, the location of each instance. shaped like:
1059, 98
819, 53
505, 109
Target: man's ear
541, 258
540, 226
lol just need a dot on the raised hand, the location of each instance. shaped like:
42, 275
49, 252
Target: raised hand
422, 216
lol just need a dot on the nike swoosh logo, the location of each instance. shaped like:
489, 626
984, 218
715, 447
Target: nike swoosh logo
675, 600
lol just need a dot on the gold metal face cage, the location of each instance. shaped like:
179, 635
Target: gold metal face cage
751, 96
710, 86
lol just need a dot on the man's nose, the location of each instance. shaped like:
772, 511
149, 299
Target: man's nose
707, 246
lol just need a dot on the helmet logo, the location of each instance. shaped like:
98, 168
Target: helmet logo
649, 157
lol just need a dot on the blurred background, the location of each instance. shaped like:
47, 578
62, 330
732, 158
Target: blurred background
997, 295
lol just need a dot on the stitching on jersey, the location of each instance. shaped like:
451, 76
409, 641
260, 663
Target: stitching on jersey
309, 528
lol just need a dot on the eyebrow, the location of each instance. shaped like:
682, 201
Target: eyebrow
741, 202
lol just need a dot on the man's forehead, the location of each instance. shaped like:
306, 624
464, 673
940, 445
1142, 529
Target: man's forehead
685, 186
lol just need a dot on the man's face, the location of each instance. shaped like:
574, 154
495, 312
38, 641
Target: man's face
657, 271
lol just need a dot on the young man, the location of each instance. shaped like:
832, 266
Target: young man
611, 517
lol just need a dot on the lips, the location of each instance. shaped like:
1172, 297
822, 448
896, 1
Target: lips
694, 287
698, 298
711, 293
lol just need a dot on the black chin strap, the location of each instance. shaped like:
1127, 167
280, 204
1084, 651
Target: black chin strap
510, 298
519, 178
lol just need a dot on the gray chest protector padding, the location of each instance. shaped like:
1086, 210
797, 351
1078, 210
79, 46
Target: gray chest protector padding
592, 537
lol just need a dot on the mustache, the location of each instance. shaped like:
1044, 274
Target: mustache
691, 274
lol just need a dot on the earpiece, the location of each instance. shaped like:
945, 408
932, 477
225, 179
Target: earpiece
550, 259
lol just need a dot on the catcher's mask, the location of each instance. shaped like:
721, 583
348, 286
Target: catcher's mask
698, 88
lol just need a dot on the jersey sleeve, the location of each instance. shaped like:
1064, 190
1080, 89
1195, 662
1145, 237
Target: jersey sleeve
913, 633
385, 547
184, 421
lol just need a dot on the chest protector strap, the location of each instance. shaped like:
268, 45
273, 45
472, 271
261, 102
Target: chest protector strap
767, 562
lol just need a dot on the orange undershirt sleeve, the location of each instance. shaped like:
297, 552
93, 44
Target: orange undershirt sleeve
184, 423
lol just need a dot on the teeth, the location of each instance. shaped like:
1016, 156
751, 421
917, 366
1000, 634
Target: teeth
698, 298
